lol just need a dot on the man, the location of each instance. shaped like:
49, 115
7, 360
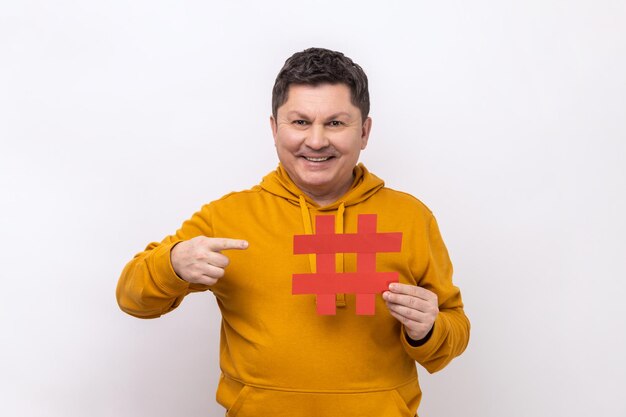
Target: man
278, 356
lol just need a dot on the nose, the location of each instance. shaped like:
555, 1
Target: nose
317, 139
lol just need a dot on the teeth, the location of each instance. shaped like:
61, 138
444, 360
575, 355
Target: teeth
317, 159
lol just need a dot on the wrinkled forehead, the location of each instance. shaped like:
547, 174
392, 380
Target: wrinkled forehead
321, 99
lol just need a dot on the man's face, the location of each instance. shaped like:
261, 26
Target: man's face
319, 135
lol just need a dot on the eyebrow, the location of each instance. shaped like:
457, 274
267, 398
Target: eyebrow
332, 116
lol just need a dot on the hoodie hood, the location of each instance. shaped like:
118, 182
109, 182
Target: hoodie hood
365, 184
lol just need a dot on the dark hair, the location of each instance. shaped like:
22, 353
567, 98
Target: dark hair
315, 66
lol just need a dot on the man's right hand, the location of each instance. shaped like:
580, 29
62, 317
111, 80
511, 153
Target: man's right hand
200, 261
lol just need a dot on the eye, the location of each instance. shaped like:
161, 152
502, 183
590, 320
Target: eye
300, 122
335, 123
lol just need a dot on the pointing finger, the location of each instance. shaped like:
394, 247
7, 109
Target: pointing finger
220, 244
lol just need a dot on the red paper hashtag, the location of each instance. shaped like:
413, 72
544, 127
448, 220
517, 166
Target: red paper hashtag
365, 282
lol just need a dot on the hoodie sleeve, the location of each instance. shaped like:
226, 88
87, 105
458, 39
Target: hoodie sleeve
148, 286
450, 333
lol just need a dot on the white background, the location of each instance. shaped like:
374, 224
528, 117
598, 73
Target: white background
119, 119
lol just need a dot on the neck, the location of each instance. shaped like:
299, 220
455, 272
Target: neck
323, 199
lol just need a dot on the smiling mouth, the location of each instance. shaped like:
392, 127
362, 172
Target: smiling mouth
318, 159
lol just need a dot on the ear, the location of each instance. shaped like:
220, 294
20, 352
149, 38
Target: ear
365, 132
274, 127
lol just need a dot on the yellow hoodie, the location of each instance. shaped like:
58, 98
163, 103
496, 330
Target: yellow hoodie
278, 356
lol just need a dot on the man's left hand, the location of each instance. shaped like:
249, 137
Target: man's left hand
415, 307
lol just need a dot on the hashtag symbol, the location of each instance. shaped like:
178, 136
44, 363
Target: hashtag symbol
325, 283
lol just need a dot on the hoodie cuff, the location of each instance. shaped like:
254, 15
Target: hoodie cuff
165, 277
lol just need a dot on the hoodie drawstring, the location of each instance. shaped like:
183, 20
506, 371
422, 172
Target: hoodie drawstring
340, 298
308, 228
